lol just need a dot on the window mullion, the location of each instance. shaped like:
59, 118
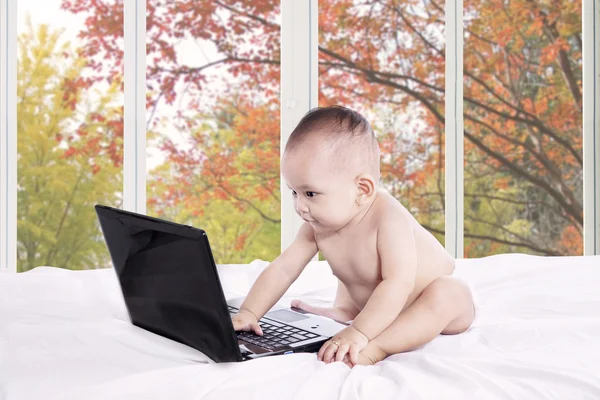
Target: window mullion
8, 136
591, 126
134, 131
299, 88
454, 146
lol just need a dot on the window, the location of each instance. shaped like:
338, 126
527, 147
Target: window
213, 123
69, 138
213, 118
385, 59
523, 181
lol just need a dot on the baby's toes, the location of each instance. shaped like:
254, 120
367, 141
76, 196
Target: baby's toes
364, 360
370, 355
296, 304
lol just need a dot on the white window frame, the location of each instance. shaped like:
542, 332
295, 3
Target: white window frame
299, 88
134, 127
8, 136
591, 126
299, 93
454, 130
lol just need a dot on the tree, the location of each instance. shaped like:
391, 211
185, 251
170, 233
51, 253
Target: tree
65, 163
226, 182
522, 96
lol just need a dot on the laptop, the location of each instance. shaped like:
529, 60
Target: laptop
171, 287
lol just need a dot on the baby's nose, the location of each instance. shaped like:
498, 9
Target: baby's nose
301, 207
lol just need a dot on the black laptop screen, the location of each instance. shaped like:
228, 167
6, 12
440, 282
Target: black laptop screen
169, 282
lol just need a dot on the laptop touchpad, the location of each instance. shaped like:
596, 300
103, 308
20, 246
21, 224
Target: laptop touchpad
286, 316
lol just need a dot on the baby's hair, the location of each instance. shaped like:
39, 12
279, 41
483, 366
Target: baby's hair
343, 128
334, 120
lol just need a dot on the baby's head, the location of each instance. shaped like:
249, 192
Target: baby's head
331, 164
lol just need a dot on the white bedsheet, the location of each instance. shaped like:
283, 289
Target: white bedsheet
66, 335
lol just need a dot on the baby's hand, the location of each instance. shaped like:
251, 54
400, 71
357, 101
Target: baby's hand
244, 320
349, 341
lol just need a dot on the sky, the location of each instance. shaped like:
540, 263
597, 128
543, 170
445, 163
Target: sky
48, 12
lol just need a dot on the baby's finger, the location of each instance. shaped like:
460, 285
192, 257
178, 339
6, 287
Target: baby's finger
346, 361
256, 328
330, 352
342, 351
353, 355
321, 352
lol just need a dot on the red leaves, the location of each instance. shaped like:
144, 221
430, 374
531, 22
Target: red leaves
384, 58
70, 152
572, 241
240, 241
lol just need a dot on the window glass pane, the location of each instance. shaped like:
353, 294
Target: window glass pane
523, 118
213, 122
69, 132
385, 59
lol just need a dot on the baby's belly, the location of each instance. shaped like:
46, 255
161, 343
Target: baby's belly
360, 294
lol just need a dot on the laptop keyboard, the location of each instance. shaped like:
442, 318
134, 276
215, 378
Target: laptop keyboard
275, 334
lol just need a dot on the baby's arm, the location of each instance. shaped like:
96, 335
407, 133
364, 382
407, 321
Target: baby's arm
398, 254
281, 273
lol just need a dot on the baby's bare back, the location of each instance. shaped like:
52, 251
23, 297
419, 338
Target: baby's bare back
355, 261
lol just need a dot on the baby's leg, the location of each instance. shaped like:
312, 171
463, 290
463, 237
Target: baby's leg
343, 308
445, 306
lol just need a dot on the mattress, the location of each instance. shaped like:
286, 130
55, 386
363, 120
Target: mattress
66, 335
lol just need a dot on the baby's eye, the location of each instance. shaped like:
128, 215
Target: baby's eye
294, 193
310, 194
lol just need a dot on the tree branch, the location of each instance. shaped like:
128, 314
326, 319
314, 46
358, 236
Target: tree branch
573, 209
497, 240
248, 15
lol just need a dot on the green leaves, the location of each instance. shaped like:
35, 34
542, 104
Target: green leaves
60, 177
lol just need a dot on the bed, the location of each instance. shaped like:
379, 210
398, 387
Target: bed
66, 335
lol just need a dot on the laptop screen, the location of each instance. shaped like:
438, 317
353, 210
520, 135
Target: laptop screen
169, 281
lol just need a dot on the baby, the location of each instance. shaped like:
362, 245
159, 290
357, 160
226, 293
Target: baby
395, 280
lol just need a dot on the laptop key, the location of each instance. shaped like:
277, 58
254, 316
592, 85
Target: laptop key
271, 322
298, 336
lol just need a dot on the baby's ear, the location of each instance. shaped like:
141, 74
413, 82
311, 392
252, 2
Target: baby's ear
365, 188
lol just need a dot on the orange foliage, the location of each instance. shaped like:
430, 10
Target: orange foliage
522, 100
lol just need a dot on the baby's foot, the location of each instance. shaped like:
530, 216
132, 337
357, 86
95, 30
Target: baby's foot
329, 312
371, 355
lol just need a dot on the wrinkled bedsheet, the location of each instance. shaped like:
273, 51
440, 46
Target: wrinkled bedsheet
66, 335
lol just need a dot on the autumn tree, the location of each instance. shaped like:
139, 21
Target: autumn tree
522, 101
225, 181
65, 163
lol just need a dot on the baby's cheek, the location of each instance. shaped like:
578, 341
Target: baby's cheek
341, 216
